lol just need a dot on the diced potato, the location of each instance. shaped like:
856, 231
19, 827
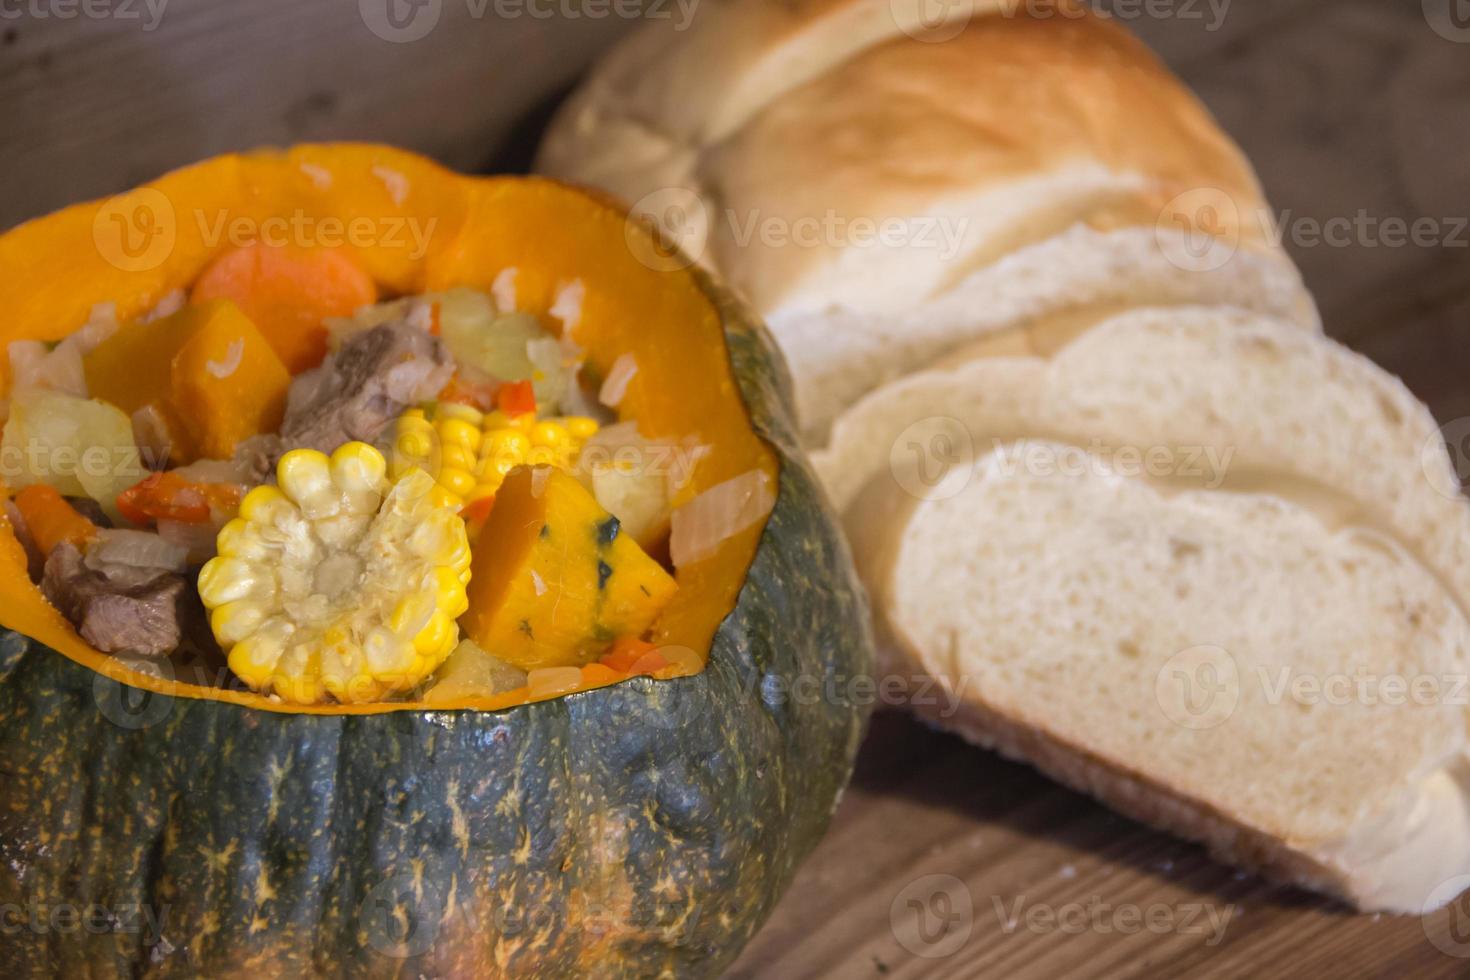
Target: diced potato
621, 470
554, 579
206, 370
472, 673
82, 447
505, 346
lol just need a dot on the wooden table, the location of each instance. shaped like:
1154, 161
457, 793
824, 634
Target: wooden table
943, 860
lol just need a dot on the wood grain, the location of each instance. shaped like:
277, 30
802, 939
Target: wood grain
1346, 107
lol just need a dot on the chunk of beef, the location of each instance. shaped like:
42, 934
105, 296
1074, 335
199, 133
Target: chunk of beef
360, 389
117, 608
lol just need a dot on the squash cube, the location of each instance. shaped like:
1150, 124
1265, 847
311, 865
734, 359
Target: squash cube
206, 369
554, 579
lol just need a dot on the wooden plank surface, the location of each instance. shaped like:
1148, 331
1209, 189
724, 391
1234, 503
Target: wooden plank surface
943, 860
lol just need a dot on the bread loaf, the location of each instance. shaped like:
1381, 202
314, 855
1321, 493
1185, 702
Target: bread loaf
1103, 475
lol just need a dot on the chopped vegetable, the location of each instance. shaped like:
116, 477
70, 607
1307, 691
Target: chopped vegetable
206, 374
703, 524
465, 390
627, 651
33, 364
51, 520
82, 447
135, 549
475, 514
171, 497
470, 672
288, 292
629, 477
619, 376
516, 398
469, 452
548, 682
485, 338
555, 580
339, 583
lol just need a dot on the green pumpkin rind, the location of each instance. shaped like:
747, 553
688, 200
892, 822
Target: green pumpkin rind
641, 830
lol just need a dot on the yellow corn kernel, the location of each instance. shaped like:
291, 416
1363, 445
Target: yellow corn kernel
551, 434
458, 432
460, 458
463, 413
506, 443
581, 427
457, 481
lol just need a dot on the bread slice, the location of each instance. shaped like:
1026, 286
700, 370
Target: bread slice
1046, 291
1150, 646
1202, 494
1219, 396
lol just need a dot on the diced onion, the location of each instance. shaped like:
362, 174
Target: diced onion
721, 512
615, 385
33, 365
393, 182
503, 289
170, 304
320, 176
539, 476
199, 541
150, 432
568, 304
137, 549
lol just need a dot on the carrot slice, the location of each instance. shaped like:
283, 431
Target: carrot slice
287, 292
625, 652
516, 398
51, 520
169, 497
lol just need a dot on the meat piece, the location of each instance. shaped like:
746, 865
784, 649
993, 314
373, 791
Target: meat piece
360, 389
256, 457
117, 608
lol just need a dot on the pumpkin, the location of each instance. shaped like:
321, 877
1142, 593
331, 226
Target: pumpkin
152, 826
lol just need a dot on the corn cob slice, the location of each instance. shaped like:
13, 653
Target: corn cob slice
339, 583
469, 452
